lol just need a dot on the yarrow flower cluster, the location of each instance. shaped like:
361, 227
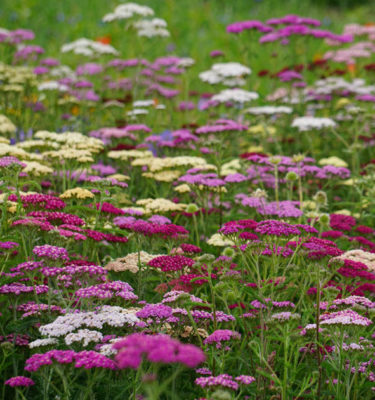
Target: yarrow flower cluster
156, 349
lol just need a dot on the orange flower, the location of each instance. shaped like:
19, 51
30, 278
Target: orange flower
75, 110
104, 39
368, 24
351, 69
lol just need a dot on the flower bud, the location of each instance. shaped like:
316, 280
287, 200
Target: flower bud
291, 176
324, 219
192, 208
320, 198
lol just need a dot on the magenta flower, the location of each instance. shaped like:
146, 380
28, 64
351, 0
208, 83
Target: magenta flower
18, 381
157, 349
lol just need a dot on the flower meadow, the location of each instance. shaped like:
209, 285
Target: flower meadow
172, 230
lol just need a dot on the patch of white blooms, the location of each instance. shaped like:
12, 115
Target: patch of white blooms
52, 85
185, 62
143, 103
309, 123
151, 27
63, 71
6, 125
110, 315
333, 84
128, 10
42, 342
269, 110
88, 47
228, 74
236, 95
83, 335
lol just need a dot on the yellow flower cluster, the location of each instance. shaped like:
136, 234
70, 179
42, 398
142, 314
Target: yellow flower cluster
231, 167
78, 193
7, 126
36, 169
155, 206
219, 240
335, 161
127, 154
163, 176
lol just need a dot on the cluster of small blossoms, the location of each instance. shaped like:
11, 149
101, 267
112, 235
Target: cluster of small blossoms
150, 229
107, 291
224, 380
113, 316
221, 335
171, 263
19, 381
8, 245
83, 359
176, 296
279, 228
51, 252
19, 288
31, 308
45, 201
155, 349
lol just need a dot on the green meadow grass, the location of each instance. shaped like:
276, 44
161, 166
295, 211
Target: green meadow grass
197, 26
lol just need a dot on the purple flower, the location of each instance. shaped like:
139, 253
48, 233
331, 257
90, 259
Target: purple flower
158, 349
18, 381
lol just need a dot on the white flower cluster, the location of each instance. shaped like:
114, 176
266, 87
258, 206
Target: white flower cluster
110, 315
6, 125
88, 47
128, 10
152, 27
42, 342
333, 84
85, 335
309, 123
107, 349
229, 74
269, 110
63, 71
52, 85
235, 95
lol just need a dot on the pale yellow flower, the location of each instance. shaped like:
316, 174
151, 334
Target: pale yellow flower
335, 161
184, 188
35, 168
219, 240
119, 177
155, 206
79, 193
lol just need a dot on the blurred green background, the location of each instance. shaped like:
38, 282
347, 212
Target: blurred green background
196, 26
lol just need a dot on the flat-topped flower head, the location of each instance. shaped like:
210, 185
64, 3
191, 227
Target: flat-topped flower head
311, 123
51, 252
276, 228
19, 381
156, 349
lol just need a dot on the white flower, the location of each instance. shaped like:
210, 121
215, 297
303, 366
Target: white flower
143, 103
308, 123
83, 334
185, 62
229, 74
42, 342
128, 10
236, 95
269, 110
151, 27
88, 47
52, 85
137, 111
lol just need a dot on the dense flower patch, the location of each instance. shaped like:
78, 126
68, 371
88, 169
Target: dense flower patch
159, 242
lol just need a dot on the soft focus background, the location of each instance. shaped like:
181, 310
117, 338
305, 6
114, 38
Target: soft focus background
196, 26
